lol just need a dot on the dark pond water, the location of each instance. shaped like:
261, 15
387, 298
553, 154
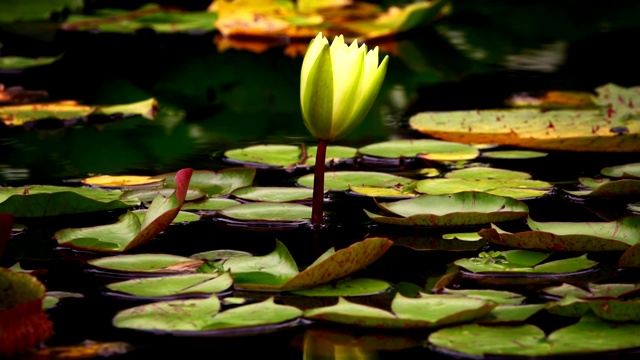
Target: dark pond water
213, 99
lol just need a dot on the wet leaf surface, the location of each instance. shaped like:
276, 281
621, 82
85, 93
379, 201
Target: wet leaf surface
183, 284
424, 148
343, 180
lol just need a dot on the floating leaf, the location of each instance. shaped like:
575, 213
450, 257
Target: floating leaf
589, 336
575, 130
347, 287
277, 271
513, 154
285, 156
148, 194
215, 183
147, 263
71, 111
343, 180
486, 173
380, 192
406, 312
183, 284
267, 211
157, 18
209, 204
273, 193
628, 171
129, 232
424, 148
490, 264
461, 209
122, 181
606, 188
43, 200
515, 188
23, 322
570, 236
19, 62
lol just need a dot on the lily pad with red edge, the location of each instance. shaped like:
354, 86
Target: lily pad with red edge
129, 232
277, 271
173, 285
460, 209
43, 200
215, 183
406, 313
589, 336
23, 322
605, 188
613, 302
148, 264
570, 236
203, 317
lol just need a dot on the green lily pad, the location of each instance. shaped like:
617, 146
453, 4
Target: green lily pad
70, 112
267, 211
486, 173
425, 148
515, 188
379, 192
182, 217
42, 200
285, 156
627, 171
216, 255
498, 296
273, 193
405, 312
499, 263
183, 284
593, 290
512, 313
347, 287
129, 232
513, 154
570, 236
616, 310
209, 204
158, 18
147, 263
22, 298
277, 271
19, 62
335, 153
461, 209
147, 195
604, 300
607, 188
588, 336
343, 180
215, 183
448, 242
203, 317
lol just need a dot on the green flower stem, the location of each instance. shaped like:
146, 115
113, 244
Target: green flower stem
317, 215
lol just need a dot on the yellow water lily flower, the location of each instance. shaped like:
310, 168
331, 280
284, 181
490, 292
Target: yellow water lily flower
338, 85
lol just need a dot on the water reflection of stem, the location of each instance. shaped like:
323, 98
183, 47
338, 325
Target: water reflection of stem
317, 218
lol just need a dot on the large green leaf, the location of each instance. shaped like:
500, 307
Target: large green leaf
607, 188
628, 171
44, 200
273, 193
147, 263
184, 284
285, 156
511, 187
343, 180
570, 236
215, 183
268, 211
589, 336
501, 262
129, 232
460, 209
19, 62
424, 148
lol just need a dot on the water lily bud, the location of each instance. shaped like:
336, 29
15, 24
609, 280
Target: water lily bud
338, 85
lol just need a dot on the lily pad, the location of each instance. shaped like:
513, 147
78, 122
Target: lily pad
71, 111
570, 236
285, 156
129, 232
486, 173
165, 286
515, 188
513, 154
401, 192
148, 194
343, 180
608, 189
406, 313
122, 181
588, 336
627, 171
268, 212
461, 209
347, 287
19, 62
209, 204
425, 148
215, 183
278, 271
499, 263
43, 200
273, 193
147, 263
203, 317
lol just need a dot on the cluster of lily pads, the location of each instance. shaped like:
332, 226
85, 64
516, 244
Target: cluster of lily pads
438, 199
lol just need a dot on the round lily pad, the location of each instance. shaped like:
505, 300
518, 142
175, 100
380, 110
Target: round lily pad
513, 154
486, 173
425, 148
460, 209
516, 188
342, 180
266, 211
627, 171
146, 263
273, 193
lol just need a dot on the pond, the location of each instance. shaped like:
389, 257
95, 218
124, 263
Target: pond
214, 95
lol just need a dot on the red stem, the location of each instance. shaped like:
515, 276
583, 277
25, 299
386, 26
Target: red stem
317, 214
